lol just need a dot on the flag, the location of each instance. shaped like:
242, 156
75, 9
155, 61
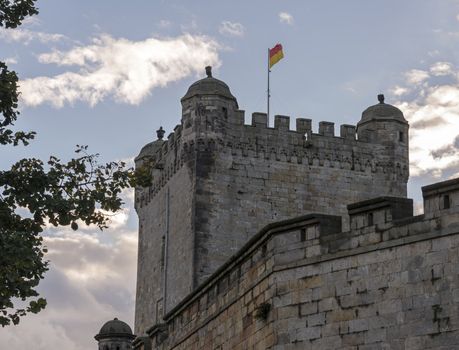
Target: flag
275, 55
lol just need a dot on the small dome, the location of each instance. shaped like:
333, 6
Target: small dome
151, 148
209, 86
382, 111
115, 328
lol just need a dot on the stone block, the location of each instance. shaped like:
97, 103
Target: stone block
260, 120
348, 131
281, 122
327, 128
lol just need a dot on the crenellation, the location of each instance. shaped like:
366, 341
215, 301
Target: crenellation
379, 211
282, 122
348, 132
260, 120
304, 126
327, 129
440, 196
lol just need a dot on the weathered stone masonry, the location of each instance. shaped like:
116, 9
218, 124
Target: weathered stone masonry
390, 282
216, 182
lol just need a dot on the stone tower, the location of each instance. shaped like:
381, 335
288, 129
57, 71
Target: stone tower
115, 335
217, 181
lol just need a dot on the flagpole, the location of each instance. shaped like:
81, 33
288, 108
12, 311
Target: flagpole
268, 88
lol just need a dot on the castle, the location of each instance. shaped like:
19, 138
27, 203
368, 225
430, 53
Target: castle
252, 237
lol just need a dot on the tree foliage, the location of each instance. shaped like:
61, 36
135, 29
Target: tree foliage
35, 194
13, 12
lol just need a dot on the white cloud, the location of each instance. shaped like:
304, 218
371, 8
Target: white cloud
122, 69
231, 28
31, 21
25, 36
10, 60
416, 76
286, 17
399, 90
441, 69
433, 114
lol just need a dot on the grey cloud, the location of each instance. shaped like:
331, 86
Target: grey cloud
90, 282
428, 123
448, 150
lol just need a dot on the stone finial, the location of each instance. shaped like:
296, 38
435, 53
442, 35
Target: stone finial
209, 71
381, 98
160, 133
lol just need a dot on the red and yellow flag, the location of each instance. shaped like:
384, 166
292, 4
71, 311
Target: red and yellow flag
275, 55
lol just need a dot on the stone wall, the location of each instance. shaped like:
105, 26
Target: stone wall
304, 284
165, 255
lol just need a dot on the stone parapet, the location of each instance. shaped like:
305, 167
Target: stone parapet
318, 150
440, 196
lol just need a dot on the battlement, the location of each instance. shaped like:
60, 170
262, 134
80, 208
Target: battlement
258, 127
278, 143
259, 121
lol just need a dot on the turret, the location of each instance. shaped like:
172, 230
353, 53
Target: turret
385, 124
115, 335
207, 107
148, 152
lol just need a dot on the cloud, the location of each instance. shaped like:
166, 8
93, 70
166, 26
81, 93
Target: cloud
447, 150
26, 36
231, 28
127, 71
441, 69
31, 21
285, 17
416, 76
38, 333
432, 110
10, 60
428, 123
399, 90
91, 280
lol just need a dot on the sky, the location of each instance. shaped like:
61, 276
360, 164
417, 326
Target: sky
108, 73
